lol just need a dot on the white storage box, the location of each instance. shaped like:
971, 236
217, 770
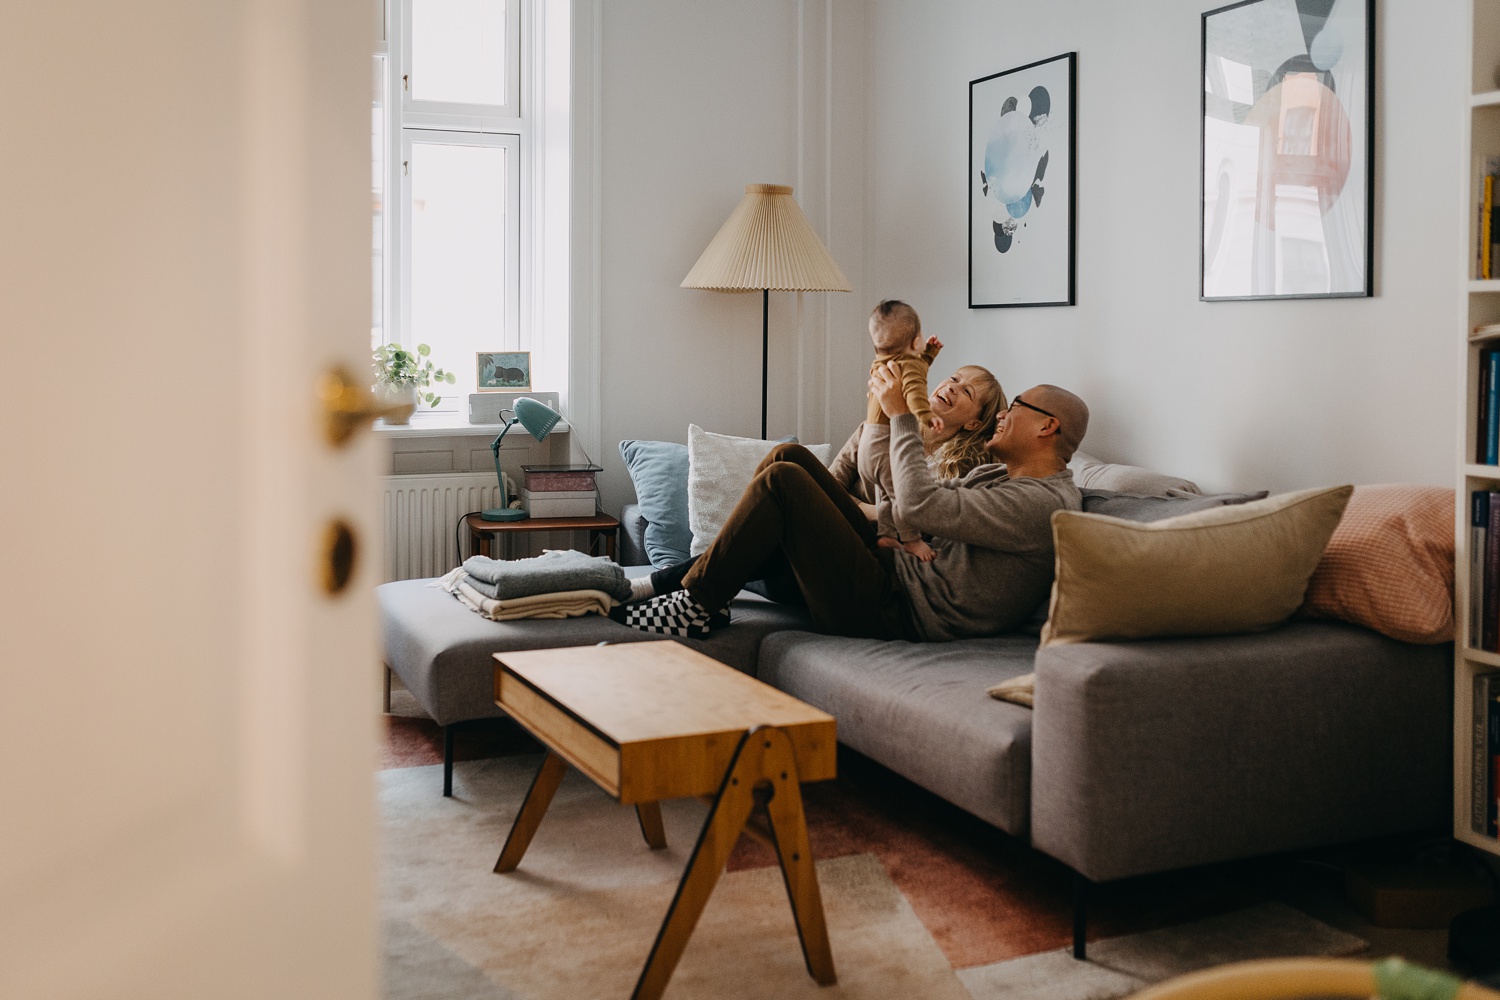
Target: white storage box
565, 503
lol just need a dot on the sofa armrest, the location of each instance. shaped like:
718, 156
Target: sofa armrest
1151, 756
633, 536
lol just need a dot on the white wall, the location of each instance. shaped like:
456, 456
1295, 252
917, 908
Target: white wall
1273, 395
862, 106
696, 100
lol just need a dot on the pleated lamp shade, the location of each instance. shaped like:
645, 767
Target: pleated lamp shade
767, 243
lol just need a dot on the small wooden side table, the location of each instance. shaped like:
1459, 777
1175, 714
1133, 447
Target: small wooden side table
482, 533
648, 721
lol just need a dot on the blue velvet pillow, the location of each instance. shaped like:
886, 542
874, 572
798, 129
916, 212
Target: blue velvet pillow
659, 472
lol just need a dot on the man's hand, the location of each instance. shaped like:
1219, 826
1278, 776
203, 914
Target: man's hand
885, 386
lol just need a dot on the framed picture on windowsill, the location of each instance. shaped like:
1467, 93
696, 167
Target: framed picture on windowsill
1287, 168
1021, 128
503, 371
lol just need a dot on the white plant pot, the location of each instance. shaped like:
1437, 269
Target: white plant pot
406, 396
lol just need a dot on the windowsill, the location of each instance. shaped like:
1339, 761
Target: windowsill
449, 424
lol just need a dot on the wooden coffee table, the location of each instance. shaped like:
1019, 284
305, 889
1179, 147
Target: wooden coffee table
648, 721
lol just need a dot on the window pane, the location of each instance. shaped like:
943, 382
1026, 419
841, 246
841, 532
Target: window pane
458, 228
458, 51
377, 200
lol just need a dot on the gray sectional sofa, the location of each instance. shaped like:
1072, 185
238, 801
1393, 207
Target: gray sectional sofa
1139, 757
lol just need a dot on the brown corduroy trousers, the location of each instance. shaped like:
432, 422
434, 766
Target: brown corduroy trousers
794, 506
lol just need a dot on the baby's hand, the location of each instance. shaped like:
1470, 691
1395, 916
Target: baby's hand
935, 424
920, 549
886, 542
934, 343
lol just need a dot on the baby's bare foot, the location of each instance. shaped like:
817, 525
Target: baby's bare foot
887, 543
920, 549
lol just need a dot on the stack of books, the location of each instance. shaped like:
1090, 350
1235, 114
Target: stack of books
560, 490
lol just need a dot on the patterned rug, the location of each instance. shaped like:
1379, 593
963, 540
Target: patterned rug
922, 900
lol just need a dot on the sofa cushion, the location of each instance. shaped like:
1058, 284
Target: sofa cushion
1092, 473
1241, 568
1138, 507
659, 472
720, 466
921, 710
1389, 564
443, 652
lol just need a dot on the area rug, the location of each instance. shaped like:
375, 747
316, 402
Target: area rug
579, 916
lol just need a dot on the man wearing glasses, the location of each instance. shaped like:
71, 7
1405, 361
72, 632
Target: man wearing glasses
992, 534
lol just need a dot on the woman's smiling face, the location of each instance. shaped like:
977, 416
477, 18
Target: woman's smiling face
956, 400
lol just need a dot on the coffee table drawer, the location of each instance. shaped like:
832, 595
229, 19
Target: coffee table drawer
575, 742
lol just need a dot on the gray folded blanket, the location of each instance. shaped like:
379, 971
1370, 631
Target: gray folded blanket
551, 572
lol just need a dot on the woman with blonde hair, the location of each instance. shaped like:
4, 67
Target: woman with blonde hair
968, 402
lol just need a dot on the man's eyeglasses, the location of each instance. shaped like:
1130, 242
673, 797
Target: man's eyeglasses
1018, 401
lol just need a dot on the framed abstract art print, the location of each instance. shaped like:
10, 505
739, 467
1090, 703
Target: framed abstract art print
1287, 168
1021, 176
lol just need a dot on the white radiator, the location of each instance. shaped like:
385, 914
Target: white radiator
421, 516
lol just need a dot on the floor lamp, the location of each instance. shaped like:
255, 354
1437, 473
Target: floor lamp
766, 245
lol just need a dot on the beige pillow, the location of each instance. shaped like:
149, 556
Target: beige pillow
1228, 569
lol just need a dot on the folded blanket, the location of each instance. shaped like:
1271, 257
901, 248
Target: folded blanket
565, 604
1020, 690
554, 571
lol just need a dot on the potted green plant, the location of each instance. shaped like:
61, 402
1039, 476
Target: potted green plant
402, 375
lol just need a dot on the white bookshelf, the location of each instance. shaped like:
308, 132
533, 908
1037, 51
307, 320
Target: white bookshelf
1481, 306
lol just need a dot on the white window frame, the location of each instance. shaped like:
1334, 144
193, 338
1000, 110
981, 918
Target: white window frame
505, 117
512, 126
512, 145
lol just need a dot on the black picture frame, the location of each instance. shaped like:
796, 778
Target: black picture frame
1287, 129
1017, 258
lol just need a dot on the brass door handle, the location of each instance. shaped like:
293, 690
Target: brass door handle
349, 405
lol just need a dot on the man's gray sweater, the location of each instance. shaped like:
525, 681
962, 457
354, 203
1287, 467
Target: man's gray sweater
993, 539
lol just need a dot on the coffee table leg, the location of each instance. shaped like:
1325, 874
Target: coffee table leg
762, 771
789, 830
532, 811
649, 815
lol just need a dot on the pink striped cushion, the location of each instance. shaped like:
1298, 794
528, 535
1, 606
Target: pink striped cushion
1389, 564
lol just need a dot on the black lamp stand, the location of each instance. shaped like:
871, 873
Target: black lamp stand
765, 353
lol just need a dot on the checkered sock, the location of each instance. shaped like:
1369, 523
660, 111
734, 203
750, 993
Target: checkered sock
671, 614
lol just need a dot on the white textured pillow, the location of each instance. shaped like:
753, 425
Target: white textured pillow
719, 469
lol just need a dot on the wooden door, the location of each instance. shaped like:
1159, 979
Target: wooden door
187, 721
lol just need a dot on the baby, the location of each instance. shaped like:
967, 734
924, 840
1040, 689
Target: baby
897, 333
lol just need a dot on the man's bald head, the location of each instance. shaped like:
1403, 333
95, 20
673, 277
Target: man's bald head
1072, 416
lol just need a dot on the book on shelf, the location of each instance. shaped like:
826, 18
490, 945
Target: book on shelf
1482, 406
1481, 781
1486, 209
1479, 522
1490, 595
1491, 360
1492, 749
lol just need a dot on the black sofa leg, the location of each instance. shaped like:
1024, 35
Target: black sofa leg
448, 761
1080, 915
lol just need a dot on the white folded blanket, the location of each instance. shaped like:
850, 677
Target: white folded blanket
563, 604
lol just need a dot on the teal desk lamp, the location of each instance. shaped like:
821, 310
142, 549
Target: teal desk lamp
538, 418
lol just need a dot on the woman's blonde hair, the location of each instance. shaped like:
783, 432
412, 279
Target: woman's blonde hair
966, 450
